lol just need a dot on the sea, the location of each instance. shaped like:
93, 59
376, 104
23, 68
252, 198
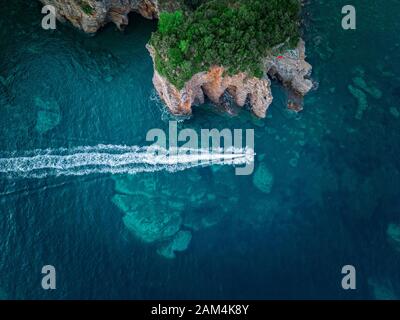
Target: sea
325, 192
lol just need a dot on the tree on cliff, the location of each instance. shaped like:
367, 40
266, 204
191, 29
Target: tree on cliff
235, 34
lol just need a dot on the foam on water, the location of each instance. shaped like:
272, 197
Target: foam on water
115, 159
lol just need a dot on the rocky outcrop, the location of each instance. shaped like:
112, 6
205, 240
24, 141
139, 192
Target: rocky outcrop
91, 15
263, 179
155, 212
393, 234
213, 84
290, 68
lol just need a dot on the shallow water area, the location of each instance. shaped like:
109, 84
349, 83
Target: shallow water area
325, 192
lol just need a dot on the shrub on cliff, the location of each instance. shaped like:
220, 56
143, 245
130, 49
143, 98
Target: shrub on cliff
86, 7
235, 34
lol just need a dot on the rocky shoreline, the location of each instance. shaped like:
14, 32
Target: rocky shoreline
290, 68
91, 15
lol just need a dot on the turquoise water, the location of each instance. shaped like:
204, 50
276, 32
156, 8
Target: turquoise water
334, 170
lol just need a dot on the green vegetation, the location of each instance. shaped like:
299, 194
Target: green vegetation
86, 7
235, 34
193, 4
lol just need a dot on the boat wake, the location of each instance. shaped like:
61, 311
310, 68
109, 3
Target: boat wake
115, 159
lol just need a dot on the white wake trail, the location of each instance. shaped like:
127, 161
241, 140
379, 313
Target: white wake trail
115, 159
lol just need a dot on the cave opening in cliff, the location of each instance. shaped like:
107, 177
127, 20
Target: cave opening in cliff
138, 22
226, 103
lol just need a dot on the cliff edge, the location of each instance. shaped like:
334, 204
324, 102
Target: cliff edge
291, 69
211, 49
91, 15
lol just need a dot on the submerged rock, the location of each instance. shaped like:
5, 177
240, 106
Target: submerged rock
147, 225
362, 102
371, 90
180, 242
394, 112
6, 81
393, 234
382, 290
155, 211
48, 115
151, 227
263, 179
197, 220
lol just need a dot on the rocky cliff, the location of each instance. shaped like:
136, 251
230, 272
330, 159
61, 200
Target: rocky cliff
91, 15
213, 84
290, 68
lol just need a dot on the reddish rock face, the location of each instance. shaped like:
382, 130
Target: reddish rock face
148, 9
213, 84
294, 106
290, 68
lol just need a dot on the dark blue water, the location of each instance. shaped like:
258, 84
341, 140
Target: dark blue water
335, 198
